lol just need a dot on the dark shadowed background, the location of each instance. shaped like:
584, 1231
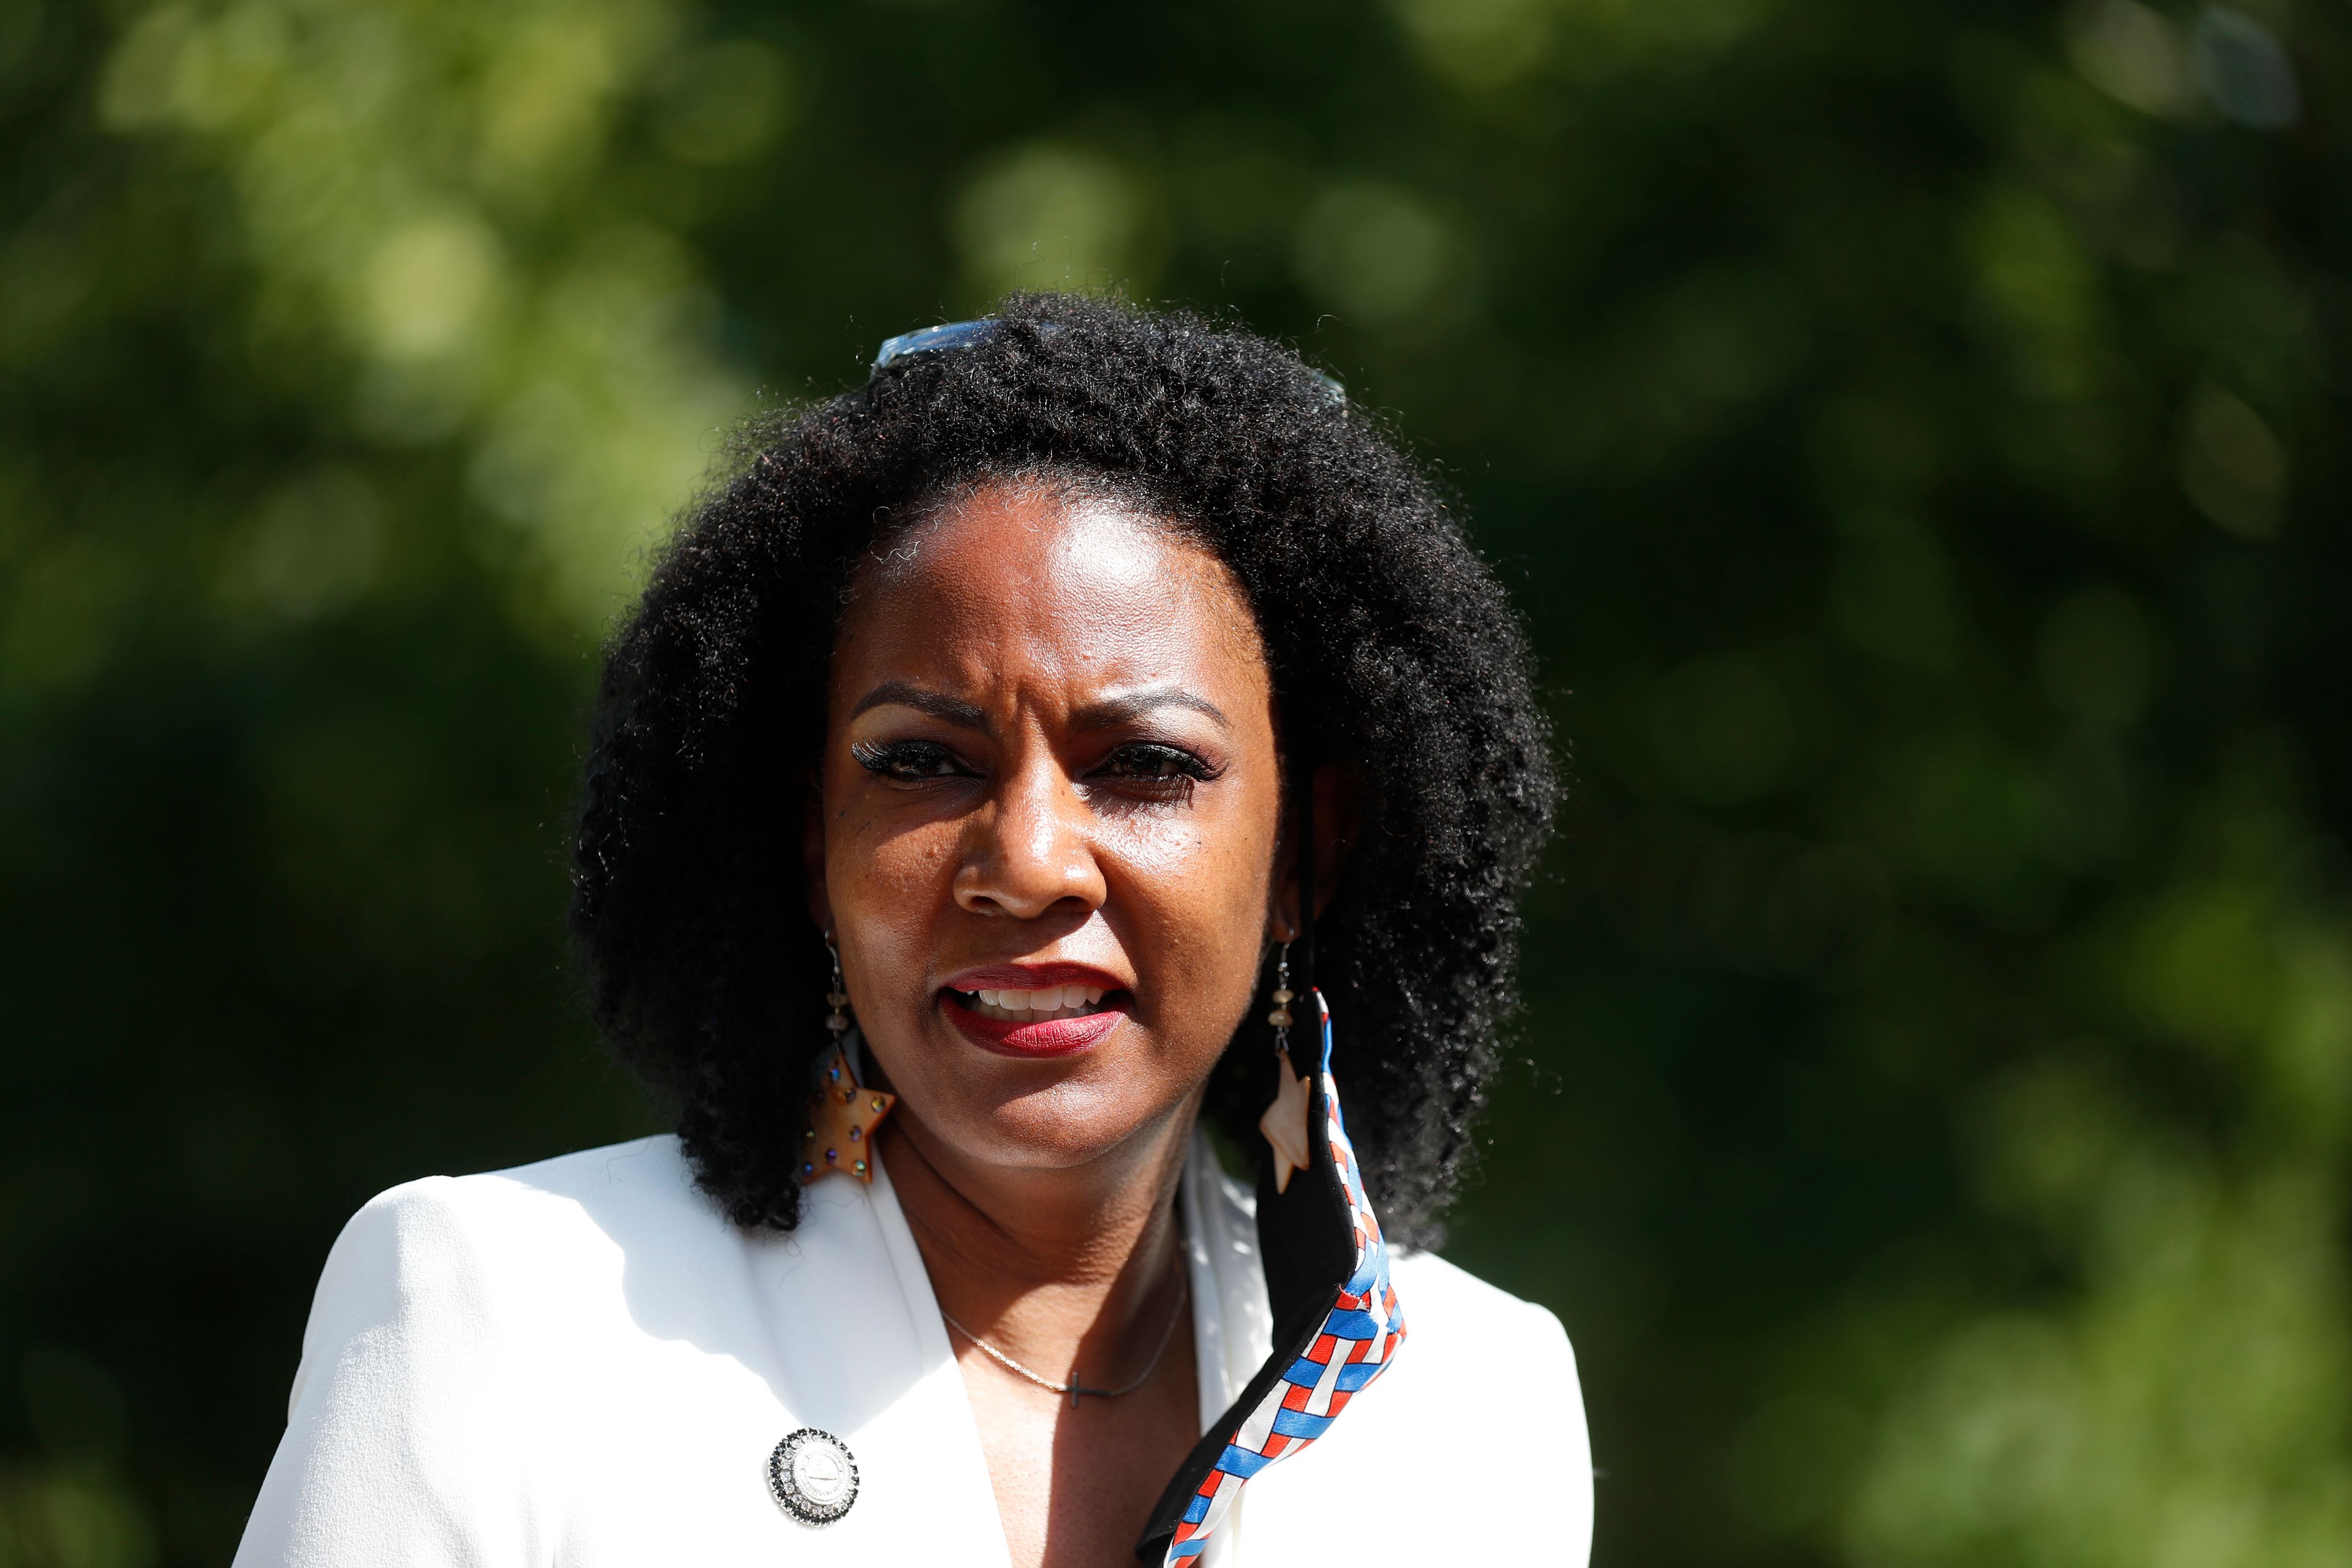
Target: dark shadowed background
1917, 433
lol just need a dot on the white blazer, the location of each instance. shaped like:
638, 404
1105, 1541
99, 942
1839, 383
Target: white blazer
581, 1364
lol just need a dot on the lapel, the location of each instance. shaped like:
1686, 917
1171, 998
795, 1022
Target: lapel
862, 1353
865, 1357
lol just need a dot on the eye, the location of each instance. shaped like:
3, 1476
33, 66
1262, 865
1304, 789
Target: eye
1148, 761
908, 761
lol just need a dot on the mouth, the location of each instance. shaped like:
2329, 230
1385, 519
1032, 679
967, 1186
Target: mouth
1055, 1011
1043, 1005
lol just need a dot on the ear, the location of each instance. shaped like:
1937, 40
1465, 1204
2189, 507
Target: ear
820, 903
1337, 798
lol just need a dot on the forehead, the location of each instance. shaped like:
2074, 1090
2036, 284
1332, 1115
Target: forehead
1017, 583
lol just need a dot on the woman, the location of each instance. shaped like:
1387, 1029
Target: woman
955, 791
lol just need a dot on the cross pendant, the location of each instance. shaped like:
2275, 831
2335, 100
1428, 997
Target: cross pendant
1076, 1388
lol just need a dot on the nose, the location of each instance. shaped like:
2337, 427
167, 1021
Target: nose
1030, 854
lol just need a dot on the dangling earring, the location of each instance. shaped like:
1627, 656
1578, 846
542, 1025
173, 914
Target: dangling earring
838, 997
1280, 1017
843, 1113
1285, 1121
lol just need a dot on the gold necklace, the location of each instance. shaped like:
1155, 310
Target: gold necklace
1074, 1388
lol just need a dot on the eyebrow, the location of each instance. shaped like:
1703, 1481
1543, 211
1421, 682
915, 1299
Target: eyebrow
907, 694
1116, 708
1123, 706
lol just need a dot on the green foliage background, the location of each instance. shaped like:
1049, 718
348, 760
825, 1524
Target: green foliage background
1917, 432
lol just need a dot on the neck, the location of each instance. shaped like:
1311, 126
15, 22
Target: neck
1059, 1267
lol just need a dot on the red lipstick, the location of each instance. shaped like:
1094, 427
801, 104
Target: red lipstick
1053, 1037
1043, 1038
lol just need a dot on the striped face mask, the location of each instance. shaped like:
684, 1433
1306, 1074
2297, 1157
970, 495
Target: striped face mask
1337, 1321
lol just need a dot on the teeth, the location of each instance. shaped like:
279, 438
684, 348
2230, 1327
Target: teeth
1033, 1007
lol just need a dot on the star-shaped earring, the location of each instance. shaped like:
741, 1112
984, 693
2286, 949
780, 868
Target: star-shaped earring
843, 1115
1285, 1125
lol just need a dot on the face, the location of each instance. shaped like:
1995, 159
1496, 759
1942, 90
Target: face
1050, 797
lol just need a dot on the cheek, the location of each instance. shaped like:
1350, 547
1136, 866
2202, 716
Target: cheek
888, 884
1213, 879
1163, 851
1198, 887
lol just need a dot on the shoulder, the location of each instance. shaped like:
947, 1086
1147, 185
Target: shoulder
1458, 1309
644, 1177
1477, 1353
572, 1206
477, 1340
1476, 1434
476, 1257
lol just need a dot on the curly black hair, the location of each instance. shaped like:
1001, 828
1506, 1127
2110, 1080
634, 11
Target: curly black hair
1394, 652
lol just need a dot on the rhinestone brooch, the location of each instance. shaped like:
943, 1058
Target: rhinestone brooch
813, 1475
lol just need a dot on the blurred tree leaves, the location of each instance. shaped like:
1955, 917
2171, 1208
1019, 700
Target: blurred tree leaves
1918, 435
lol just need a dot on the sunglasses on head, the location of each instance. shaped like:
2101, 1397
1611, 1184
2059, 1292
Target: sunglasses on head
953, 335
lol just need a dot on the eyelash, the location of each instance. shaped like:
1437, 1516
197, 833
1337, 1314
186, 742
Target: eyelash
918, 762
907, 762
1182, 764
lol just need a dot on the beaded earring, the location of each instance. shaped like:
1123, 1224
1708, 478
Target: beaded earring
838, 997
843, 1113
1285, 1121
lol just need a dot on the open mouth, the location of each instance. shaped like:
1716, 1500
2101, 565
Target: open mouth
1034, 1007
1034, 1020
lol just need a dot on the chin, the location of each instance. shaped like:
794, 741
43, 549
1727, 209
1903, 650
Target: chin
1065, 1124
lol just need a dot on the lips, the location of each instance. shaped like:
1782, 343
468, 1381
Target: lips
1050, 1038
1035, 1010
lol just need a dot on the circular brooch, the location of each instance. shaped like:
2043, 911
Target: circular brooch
813, 1475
